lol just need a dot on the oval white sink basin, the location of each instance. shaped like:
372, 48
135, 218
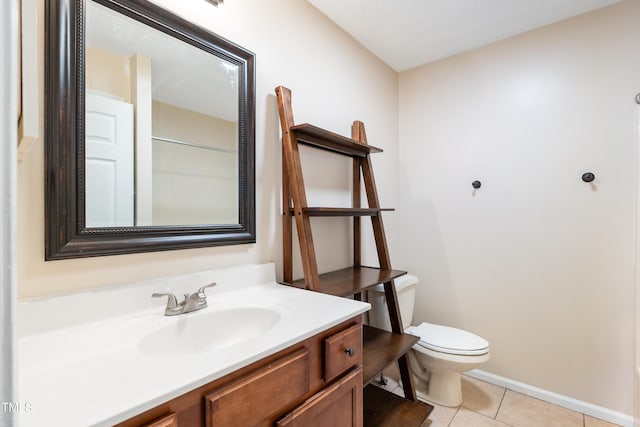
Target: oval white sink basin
200, 332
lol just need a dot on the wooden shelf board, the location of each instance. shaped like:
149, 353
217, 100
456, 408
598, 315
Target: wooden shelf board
327, 140
344, 212
383, 408
381, 348
352, 280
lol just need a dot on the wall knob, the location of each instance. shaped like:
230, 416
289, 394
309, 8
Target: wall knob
588, 177
476, 184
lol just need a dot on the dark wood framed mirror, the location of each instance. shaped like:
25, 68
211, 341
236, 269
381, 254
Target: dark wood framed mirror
178, 98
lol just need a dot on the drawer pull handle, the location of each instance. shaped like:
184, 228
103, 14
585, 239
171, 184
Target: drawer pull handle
350, 351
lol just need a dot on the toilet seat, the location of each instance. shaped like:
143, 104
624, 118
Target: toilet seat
449, 340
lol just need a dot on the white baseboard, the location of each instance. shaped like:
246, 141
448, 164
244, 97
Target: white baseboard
555, 398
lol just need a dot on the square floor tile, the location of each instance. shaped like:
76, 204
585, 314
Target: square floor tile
468, 418
519, 410
481, 396
441, 416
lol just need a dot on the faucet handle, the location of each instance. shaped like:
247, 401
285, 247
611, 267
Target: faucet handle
201, 290
172, 301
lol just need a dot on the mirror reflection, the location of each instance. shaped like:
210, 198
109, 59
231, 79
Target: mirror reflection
161, 128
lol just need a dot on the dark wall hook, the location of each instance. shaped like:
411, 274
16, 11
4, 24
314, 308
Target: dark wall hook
588, 177
476, 184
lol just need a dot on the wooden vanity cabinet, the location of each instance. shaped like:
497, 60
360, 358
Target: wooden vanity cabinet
316, 382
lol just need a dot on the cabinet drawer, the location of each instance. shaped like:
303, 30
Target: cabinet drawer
170, 420
342, 351
340, 404
252, 399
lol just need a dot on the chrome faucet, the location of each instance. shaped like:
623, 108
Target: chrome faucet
191, 302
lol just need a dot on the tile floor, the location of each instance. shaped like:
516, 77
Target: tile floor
487, 405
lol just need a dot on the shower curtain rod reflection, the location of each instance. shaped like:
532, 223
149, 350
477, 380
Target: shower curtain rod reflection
190, 144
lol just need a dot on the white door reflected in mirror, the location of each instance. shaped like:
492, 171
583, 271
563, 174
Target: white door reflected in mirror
108, 162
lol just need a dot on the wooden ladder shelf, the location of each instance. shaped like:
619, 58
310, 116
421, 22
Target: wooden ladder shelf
381, 348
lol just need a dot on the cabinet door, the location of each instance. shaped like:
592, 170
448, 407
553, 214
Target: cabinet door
261, 395
339, 405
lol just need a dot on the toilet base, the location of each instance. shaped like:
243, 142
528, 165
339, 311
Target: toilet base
443, 388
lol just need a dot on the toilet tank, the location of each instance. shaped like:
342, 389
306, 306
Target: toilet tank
406, 290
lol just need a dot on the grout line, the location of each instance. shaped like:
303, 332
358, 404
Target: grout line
454, 415
504, 393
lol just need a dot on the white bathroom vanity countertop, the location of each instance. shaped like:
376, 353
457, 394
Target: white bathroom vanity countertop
98, 358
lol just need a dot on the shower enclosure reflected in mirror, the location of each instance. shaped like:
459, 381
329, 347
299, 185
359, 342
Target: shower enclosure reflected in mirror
149, 133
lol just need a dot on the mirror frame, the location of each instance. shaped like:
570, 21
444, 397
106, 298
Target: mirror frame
66, 234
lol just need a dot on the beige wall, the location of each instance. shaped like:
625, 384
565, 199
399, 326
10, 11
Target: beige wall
295, 46
536, 261
178, 123
108, 73
636, 376
193, 185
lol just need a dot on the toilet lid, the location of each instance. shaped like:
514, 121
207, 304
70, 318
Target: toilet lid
449, 340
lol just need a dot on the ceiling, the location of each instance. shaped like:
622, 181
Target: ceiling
209, 85
409, 33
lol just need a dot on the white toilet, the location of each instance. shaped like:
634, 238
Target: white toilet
442, 352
